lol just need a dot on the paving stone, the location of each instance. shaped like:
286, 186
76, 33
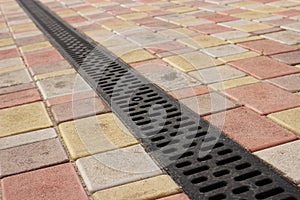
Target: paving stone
164, 47
288, 119
250, 15
247, 39
267, 47
202, 41
45, 184
9, 53
154, 65
23, 41
280, 22
54, 74
236, 23
19, 98
62, 85
291, 58
231, 35
27, 138
35, 47
40, 58
180, 196
233, 83
284, 159
189, 92
149, 188
23, 118
133, 16
116, 167
11, 62
208, 103
263, 67
210, 28
78, 109
224, 50
95, 134
137, 55
192, 61
252, 131
289, 82
21, 28
254, 27
146, 38
216, 74
172, 79
289, 13
6, 42
31, 156
49, 68
217, 18
285, 37
16, 88
256, 95
178, 33
241, 56
70, 97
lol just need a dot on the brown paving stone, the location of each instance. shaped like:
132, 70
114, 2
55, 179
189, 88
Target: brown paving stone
181, 196
45, 57
8, 53
252, 131
189, 92
78, 109
16, 88
267, 47
31, 156
45, 184
19, 98
291, 58
263, 67
210, 28
264, 98
290, 83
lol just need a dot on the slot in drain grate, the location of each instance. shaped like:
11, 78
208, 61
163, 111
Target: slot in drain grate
206, 163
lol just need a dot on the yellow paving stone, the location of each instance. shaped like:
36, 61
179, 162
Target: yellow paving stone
177, 32
118, 25
298, 66
137, 55
234, 83
202, 41
95, 134
3, 25
133, 16
151, 188
248, 54
6, 41
251, 15
13, 68
189, 21
182, 9
269, 9
144, 8
289, 119
253, 27
54, 74
22, 27
247, 39
298, 94
242, 4
66, 13
36, 46
89, 11
192, 61
20, 119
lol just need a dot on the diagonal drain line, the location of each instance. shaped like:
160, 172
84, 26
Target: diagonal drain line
198, 156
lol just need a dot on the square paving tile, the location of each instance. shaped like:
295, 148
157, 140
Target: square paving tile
284, 158
116, 167
44, 57
246, 80
154, 65
11, 62
285, 37
291, 58
229, 35
225, 50
8, 53
202, 41
288, 118
14, 77
208, 103
180, 196
289, 82
23, 118
216, 74
31, 156
267, 47
217, 18
95, 134
252, 131
263, 67
189, 92
44, 184
264, 98
17, 88
210, 28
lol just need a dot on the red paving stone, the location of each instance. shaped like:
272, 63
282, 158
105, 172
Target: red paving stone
54, 183
40, 58
69, 98
176, 197
210, 28
150, 66
263, 67
252, 131
19, 98
189, 92
291, 58
78, 109
267, 47
218, 18
16, 88
264, 98
9, 53
75, 19
289, 13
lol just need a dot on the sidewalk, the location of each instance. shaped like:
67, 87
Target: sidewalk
59, 140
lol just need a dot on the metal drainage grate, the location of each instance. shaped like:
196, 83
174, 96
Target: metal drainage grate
206, 163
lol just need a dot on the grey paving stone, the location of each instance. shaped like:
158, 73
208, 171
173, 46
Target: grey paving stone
11, 62
116, 167
292, 27
27, 138
31, 156
224, 50
236, 23
231, 35
290, 82
285, 37
14, 78
284, 158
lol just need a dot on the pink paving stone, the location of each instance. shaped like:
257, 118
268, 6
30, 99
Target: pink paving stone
74, 19
165, 47
290, 83
289, 13
266, 31
16, 88
40, 58
119, 11
150, 66
30, 40
70, 97
59, 182
51, 67
264, 1
231, 12
263, 67
19, 98
252, 131
217, 18
176, 197
280, 22
78, 109
189, 92
291, 58
267, 47
210, 28
31, 156
9, 53
264, 98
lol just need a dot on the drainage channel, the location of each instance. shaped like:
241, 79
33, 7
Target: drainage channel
198, 156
